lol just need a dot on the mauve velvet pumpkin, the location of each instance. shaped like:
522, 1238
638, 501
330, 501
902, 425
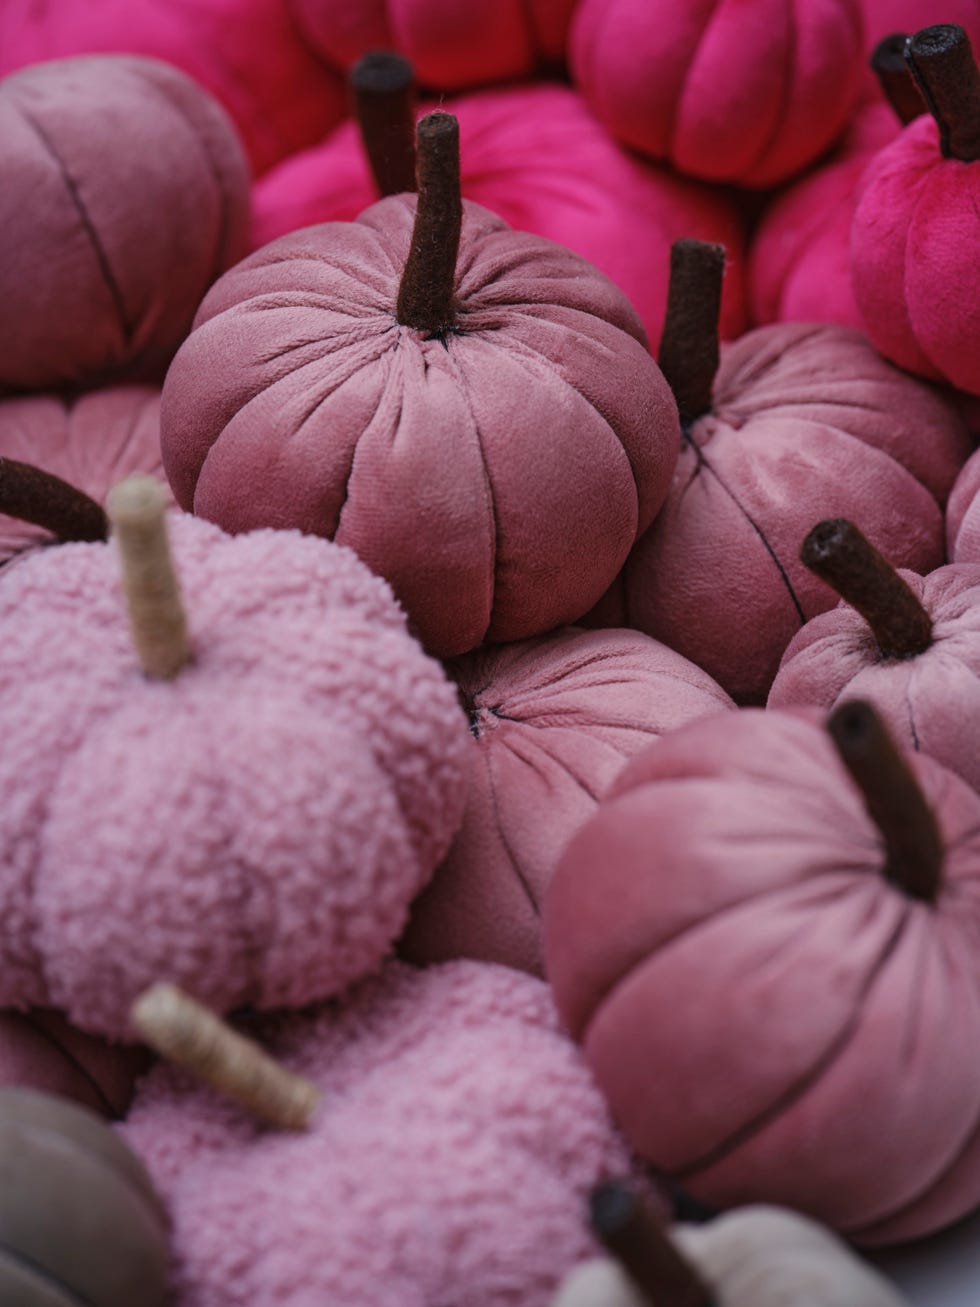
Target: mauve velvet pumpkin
554, 720
497, 474
963, 514
125, 194
771, 1019
723, 90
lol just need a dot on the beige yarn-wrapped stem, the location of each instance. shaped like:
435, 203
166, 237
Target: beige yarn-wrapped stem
136, 509
194, 1038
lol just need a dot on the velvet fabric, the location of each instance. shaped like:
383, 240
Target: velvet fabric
92, 441
729, 92
538, 157
496, 476
553, 721
807, 423
253, 829
247, 53
449, 1161
915, 279
125, 195
963, 514
770, 1019
930, 701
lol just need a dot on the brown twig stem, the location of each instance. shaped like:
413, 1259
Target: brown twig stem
895, 78
689, 345
426, 296
945, 71
32, 495
383, 88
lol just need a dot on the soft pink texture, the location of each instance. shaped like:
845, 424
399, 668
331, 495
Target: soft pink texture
916, 281
769, 1018
91, 441
931, 701
247, 53
253, 829
808, 423
538, 157
497, 478
125, 195
554, 719
963, 514
724, 90
451, 44
449, 1161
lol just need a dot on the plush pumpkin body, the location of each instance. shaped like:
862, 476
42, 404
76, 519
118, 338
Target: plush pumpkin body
963, 514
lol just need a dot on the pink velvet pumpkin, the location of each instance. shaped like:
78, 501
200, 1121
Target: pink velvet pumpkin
478, 419
963, 514
554, 720
125, 195
748, 94
766, 944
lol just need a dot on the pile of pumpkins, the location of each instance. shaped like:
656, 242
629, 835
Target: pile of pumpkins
490, 573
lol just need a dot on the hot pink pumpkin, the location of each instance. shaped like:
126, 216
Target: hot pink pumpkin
538, 157
916, 282
489, 434
247, 53
125, 195
748, 94
554, 720
766, 944
449, 1160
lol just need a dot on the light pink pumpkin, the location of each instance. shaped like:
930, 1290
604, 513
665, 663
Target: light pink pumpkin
771, 1017
554, 720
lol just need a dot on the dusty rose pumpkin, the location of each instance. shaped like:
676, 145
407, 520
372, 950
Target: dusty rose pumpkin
963, 514
478, 419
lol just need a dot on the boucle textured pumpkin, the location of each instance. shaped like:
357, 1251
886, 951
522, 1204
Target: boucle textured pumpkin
916, 225
252, 827
448, 1162
478, 419
748, 94
125, 195
765, 941
554, 720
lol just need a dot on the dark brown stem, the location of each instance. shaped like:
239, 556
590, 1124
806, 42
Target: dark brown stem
837, 552
895, 79
689, 345
913, 845
634, 1236
426, 296
384, 105
28, 493
942, 63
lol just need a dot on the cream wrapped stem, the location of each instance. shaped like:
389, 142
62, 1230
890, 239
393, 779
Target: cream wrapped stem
192, 1037
137, 509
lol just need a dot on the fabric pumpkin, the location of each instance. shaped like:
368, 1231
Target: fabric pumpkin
963, 514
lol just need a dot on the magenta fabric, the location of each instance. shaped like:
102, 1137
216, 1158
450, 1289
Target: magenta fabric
539, 157
254, 829
808, 422
916, 283
247, 53
553, 720
726, 91
930, 701
125, 195
769, 1018
449, 1161
92, 441
497, 478
452, 45
963, 514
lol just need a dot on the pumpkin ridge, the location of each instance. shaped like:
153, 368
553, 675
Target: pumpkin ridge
500, 827
62, 1050
789, 64
66, 1295
671, 127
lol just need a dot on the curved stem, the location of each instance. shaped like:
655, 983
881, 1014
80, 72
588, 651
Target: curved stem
894, 799
689, 345
383, 87
895, 79
942, 63
426, 296
837, 552
32, 495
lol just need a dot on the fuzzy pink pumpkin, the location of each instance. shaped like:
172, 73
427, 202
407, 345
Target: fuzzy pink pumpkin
478, 419
765, 941
748, 94
251, 823
554, 720
125, 195
448, 1162
247, 53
